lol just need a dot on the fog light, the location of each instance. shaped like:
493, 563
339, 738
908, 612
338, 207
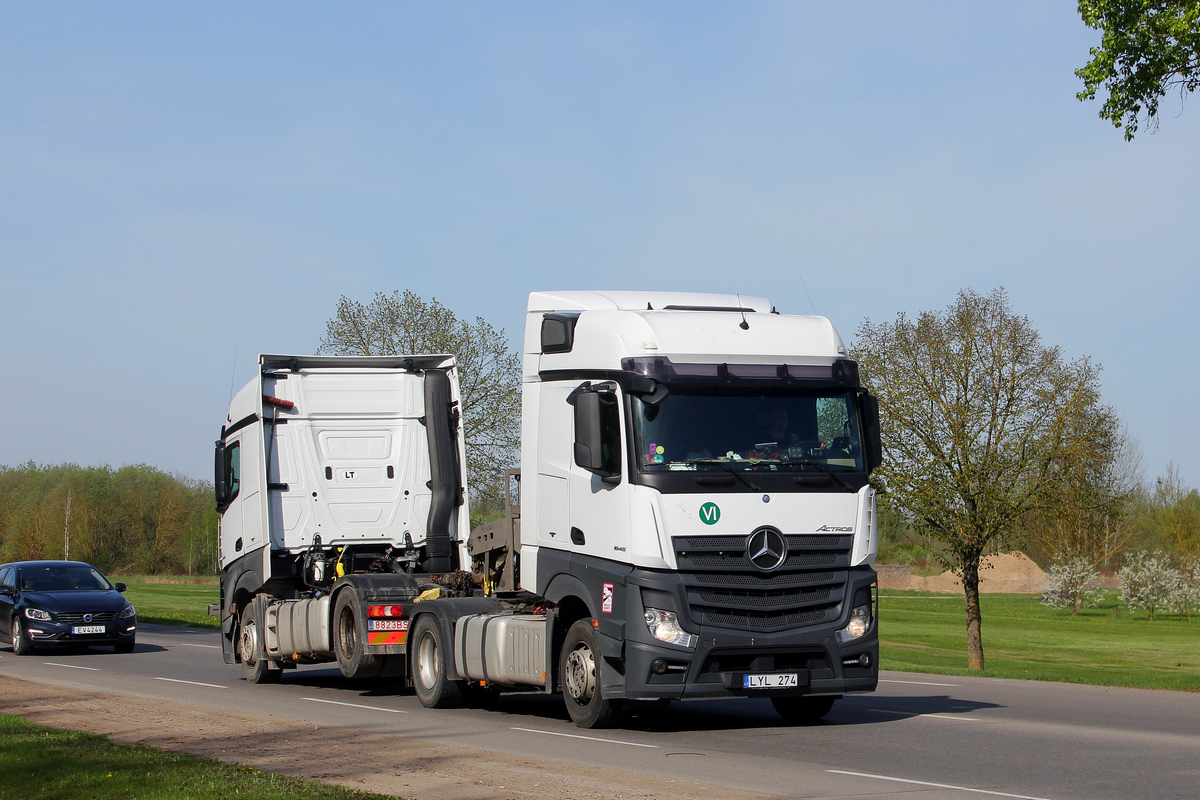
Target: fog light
658, 666
860, 621
862, 661
664, 626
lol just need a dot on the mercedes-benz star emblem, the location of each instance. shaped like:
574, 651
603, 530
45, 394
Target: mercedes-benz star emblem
767, 549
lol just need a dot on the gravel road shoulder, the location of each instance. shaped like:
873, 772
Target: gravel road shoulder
386, 764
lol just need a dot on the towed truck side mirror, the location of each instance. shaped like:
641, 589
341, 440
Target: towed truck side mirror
873, 450
598, 433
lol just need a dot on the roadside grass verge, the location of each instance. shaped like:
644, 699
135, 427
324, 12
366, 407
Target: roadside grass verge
1104, 646
173, 601
47, 764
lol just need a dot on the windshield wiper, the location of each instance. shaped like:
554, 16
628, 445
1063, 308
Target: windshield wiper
725, 466
824, 468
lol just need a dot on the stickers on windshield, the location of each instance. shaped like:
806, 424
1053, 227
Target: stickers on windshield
710, 513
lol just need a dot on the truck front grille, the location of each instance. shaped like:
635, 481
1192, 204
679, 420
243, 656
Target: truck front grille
725, 589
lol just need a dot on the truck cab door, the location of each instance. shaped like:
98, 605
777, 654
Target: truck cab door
598, 485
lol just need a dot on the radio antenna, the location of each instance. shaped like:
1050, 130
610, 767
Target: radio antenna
233, 375
743, 324
806, 294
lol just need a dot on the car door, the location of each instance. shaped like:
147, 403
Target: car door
8, 599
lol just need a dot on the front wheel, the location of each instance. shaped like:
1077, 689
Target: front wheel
579, 675
22, 645
431, 666
803, 710
255, 667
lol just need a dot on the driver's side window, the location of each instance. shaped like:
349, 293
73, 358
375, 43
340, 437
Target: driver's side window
233, 470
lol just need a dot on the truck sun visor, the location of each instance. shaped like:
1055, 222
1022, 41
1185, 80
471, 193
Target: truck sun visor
842, 372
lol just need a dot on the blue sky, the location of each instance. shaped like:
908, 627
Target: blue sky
180, 183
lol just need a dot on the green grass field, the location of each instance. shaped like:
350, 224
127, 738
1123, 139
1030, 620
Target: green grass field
1105, 646
47, 764
182, 602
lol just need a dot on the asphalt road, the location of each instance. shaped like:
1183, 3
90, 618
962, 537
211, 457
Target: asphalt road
926, 737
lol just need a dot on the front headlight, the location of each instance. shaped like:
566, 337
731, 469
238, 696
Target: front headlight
127, 612
38, 614
860, 621
664, 626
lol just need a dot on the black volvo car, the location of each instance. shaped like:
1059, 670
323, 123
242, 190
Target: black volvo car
63, 603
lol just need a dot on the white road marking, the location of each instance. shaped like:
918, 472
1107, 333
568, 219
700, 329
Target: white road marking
935, 785
912, 714
589, 738
354, 705
70, 666
218, 647
923, 683
193, 683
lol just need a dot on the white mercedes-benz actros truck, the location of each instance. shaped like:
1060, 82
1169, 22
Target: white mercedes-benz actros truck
693, 516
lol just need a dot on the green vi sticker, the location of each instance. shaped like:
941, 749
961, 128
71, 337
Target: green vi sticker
710, 513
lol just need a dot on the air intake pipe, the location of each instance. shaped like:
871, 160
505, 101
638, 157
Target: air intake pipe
441, 427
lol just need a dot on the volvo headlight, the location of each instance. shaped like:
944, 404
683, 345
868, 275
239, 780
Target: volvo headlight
860, 621
664, 626
38, 614
128, 612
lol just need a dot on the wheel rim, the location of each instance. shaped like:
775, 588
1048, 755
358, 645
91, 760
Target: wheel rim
248, 642
581, 674
347, 633
427, 661
16, 634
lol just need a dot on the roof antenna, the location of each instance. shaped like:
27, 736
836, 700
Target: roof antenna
233, 377
743, 324
806, 294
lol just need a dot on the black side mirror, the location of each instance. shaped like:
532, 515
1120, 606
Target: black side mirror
597, 433
872, 442
220, 485
121, 587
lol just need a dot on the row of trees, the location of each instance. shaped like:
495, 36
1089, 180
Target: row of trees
135, 519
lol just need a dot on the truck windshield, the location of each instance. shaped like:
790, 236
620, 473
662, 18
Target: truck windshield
705, 428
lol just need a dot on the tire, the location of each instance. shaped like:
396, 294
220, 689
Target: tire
579, 676
124, 647
431, 665
803, 710
350, 639
255, 667
22, 645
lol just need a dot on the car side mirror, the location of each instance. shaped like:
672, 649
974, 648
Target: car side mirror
121, 588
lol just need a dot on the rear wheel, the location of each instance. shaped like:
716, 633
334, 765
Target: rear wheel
350, 639
579, 675
803, 710
431, 666
21, 643
255, 667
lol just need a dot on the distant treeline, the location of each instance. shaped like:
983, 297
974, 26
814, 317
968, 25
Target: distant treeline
132, 520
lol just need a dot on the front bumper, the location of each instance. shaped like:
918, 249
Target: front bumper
723, 656
51, 634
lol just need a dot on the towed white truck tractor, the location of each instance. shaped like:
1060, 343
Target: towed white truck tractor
695, 518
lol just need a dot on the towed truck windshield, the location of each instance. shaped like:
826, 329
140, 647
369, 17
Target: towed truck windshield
729, 429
